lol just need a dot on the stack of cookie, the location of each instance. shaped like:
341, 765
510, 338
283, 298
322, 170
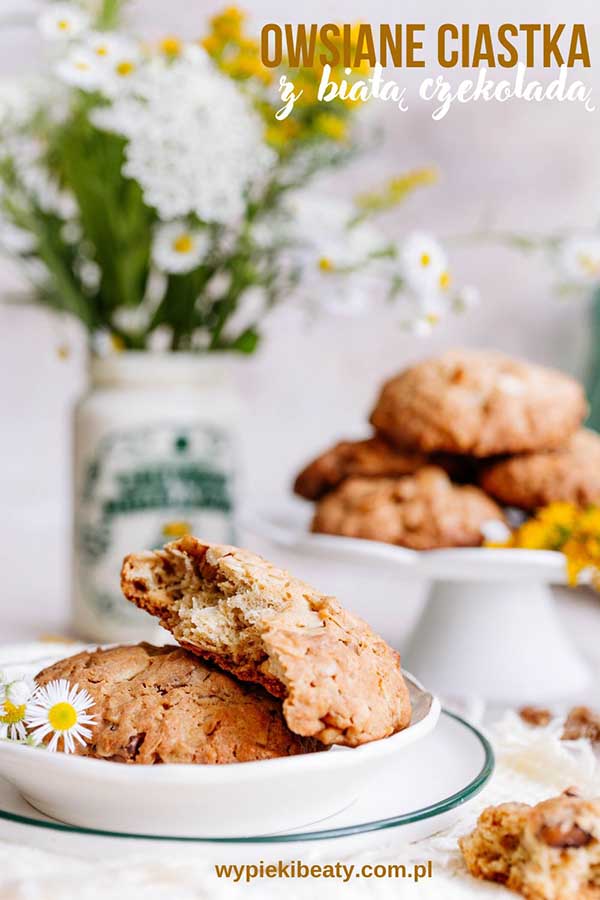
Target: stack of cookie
266, 666
457, 437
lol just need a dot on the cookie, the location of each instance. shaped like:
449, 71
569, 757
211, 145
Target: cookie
582, 722
546, 852
570, 474
164, 705
481, 403
422, 511
340, 682
538, 716
371, 457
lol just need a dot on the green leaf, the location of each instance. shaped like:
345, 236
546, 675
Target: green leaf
246, 342
114, 217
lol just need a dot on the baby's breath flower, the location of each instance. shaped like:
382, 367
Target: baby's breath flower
194, 143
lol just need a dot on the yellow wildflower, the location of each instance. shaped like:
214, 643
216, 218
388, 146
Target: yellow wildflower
117, 343
278, 134
228, 24
562, 515
211, 44
331, 126
569, 529
176, 529
397, 189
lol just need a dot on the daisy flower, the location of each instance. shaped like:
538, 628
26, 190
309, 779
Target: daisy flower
63, 21
82, 69
60, 710
179, 248
580, 260
424, 264
122, 58
14, 698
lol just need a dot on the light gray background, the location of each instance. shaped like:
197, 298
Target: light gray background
515, 166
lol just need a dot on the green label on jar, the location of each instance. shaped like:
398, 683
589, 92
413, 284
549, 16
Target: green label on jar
142, 488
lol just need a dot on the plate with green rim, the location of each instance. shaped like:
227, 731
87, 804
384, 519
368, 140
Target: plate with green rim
423, 793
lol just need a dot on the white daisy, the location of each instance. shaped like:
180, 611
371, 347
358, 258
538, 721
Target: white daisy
60, 710
179, 248
121, 58
103, 45
82, 69
579, 260
14, 698
63, 21
424, 264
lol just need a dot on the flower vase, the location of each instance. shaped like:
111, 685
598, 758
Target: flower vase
154, 459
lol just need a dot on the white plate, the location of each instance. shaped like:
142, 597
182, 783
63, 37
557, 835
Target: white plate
287, 525
421, 795
208, 801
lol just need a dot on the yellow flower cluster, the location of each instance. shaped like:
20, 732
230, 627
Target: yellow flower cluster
396, 190
238, 56
235, 53
567, 528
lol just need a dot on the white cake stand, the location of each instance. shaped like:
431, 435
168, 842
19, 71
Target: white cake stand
489, 626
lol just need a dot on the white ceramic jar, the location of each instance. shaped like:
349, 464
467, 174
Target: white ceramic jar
154, 458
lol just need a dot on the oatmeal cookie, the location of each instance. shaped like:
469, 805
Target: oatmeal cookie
340, 682
422, 511
371, 457
546, 852
481, 403
570, 474
164, 705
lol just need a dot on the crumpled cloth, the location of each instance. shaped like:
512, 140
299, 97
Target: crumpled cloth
532, 764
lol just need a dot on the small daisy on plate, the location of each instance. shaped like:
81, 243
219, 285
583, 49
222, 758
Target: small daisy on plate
63, 21
60, 710
14, 697
179, 248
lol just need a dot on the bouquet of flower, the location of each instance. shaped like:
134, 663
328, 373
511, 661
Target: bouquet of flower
150, 192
